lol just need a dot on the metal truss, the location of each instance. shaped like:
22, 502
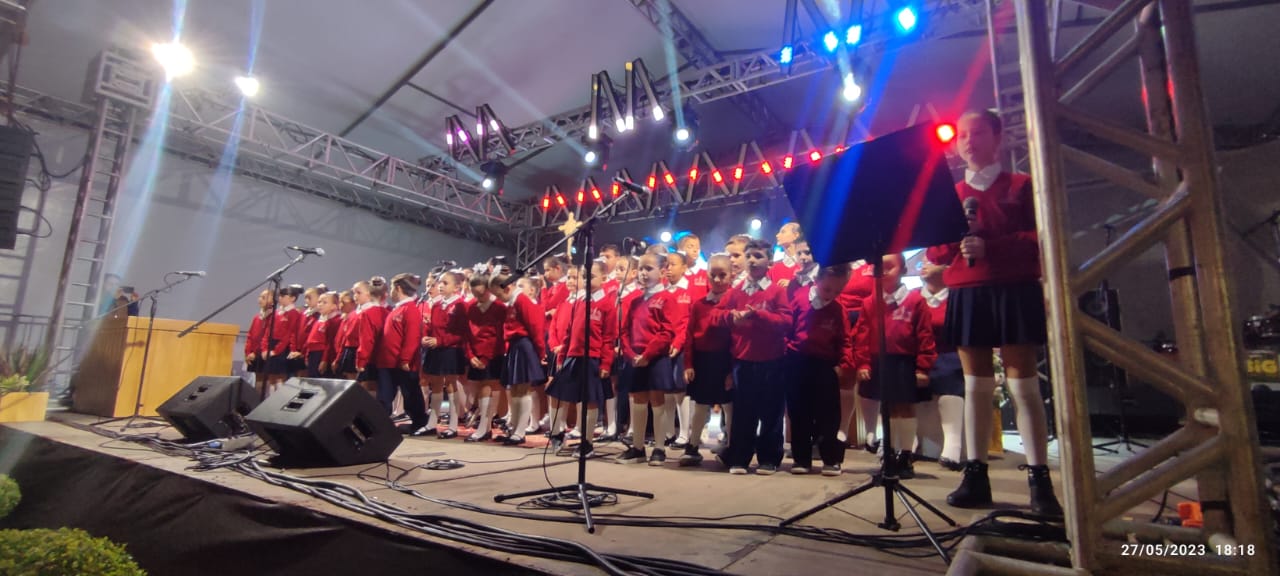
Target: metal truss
1218, 443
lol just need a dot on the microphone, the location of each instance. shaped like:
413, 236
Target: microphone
190, 273
971, 214
447, 264
633, 245
305, 250
631, 186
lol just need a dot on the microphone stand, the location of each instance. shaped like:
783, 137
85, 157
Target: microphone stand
146, 350
581, 488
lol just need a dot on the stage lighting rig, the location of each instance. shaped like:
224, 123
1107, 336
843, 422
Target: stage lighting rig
495, 176
248, 85
686, 132
906, 16
176, 59
597, 151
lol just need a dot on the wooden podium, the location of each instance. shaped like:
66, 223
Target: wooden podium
106, 384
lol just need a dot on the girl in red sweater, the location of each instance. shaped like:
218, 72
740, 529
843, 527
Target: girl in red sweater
818, 350
566, 388
625, 270
997, 302
370, 316
526, 353
397, 354
281, 336
909, 356
708, 363
946, 381
485, 349
676, 264
345, 342
446, 360
648, 331
254, 360
320, 340
784, 268
861, 285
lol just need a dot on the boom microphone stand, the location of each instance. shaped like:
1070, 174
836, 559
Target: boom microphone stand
581, 488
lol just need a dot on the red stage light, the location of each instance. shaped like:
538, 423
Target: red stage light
560, 199
766, 167
653, 182
787, 162
546, 202
581, 196
717, 177
737, 173
616, 188
815, 156
839, 149
946, 133
693, 173
670, 178
595, 193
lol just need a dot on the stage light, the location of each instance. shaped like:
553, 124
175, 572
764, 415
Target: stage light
248, 85
658, 114
462, 136
597, 153
487, 183
560, 199
581, 196
631, 122
590, 157
839, 149
593, 132
946, 133
854, 35
693, 174
621, 124
715, 175
737, 173
595, 193
686, 133
831, 41
546, 202
906, 18
852, 91
493, 125
787, 162
653, 182
669, 178
616, 189
665, 236
766, 167
683, 135
495, 176
784, 57
756, 224
176, 60
479, 128
815, 156
448, 137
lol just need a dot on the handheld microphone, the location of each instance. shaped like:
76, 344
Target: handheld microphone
971, 214
305, 250
189, 273
631, 186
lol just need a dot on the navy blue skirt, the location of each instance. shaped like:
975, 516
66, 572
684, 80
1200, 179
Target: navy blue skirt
277, 365
567, 384
523, 365
900, 380
313, 364
493, 371
258, 365
947, 377
445, 362
658, 376
995, 316
710, 369
346, 361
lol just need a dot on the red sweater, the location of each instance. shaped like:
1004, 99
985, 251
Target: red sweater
320, 339
649, 329
762, 337
449, 323
284, 331
781, 271
344, 332
368, 329
304, 330
604, 330
823, 333
525, 320
699, 284
938, 321
703, 335
1007, 223
553, 296
909, 331
485, 328
401, 337
611, 288
558, 331
257, 329
862, 282
678, 313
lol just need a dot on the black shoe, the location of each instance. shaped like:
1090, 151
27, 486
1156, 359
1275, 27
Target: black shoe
1043, 501
658, 457
691, 457
481, 438
626, 440
669, 442
632, 455
447, 434
423, 431
513, 441
872, 448
557, 443
607, 438
906, 470
950, 464
975, 487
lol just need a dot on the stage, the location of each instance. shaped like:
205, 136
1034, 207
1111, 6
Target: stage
175, 520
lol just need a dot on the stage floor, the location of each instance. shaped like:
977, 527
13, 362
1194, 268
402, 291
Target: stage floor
707, 491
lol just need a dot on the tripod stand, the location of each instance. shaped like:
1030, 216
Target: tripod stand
1116, 379
581, 488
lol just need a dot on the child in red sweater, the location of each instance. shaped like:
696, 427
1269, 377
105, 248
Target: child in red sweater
485, 348
370, 316
648, 331
526, 353
345, 342
319, 341
696, 274
625, 270
806, 273
708, 362
446, 360
397, 356
784, 268
674, 268
760, 320
818, 350
281, 336
254, 360
909, 356
566, 388
861, 284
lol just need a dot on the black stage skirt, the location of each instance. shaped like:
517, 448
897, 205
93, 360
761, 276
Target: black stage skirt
658, 376
523, 365
346, 361
493, 371
298, 364
277, 364
313, 364
900, 379
257, 366
995, 316
947, 378
567, 384
710, 369
445, 362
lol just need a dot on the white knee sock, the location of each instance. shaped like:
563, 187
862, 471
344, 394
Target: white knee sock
727, 409
979, 394
593, 414
560, 413
903, 431
1033, 427
482, 405
611, 413
437, 408
457, 405
670, 407
848, 403
870, 411
666, 415
697, 422
686, 412
951, 413
639, 423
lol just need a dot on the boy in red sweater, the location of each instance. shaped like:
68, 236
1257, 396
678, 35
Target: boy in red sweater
319, 341
691, 247
485, 352
677, 263
997, 301
861, 285
818, 350
909, 356
784, 268
759, 317
648, 331
806, 273
708, 362
736, 248
566, 388
397, 358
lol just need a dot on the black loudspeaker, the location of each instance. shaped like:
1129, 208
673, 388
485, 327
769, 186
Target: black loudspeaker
318, 422
211, 407
15, 154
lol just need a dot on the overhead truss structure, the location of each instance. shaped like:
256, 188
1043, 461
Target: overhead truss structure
1217, 445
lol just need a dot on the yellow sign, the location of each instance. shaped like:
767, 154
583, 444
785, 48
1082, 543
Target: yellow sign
1264, 365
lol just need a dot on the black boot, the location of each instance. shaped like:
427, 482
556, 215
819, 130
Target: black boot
1043, 501
906, 470
975, 488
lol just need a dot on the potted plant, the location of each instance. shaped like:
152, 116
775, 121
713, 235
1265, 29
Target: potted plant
23, 373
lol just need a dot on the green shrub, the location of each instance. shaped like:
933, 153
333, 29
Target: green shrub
63, 552
9, 495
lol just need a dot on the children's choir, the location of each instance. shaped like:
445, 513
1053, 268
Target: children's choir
676, 337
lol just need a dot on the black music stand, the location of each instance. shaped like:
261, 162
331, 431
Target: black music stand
883, 196
580, 488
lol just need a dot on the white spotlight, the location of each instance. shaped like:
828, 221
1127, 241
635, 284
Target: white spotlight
175, 58
682, 135
621, 124
593, 132
665, 236
248, 85
756, 224
631, 122
487, 183
852, 91
658, 114
590, 157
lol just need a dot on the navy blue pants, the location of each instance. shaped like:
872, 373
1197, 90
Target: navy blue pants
813, 400
391, 380
759, 401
